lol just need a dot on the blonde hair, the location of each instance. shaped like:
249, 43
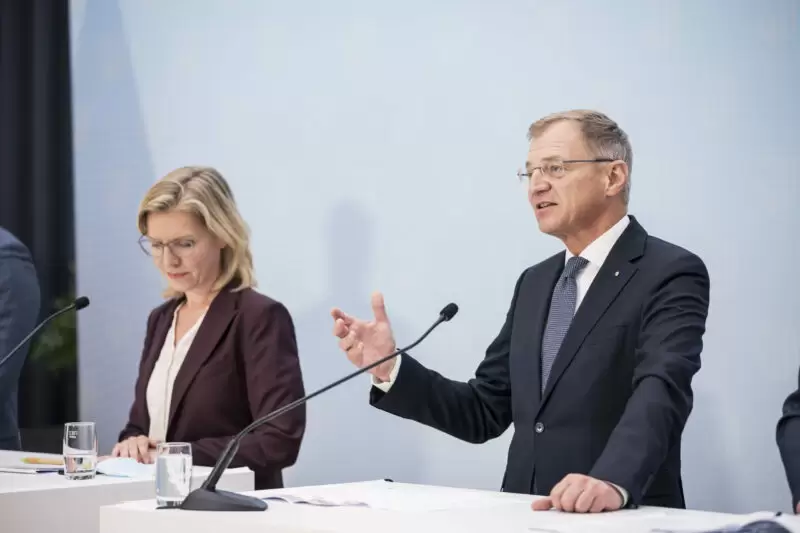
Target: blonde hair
601, 134
203, 192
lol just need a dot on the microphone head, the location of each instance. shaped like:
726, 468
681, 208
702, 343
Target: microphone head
449, 311
81, 303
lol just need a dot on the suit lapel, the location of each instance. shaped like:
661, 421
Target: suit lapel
614, 274
535, 305
213, 327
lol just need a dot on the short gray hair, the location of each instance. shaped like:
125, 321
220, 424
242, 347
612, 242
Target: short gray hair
602, 135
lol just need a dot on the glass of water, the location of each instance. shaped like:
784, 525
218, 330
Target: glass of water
173, 473
80, 450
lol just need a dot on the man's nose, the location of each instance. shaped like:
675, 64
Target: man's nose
538, 184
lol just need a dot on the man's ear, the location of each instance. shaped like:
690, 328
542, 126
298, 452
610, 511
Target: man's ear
617, 178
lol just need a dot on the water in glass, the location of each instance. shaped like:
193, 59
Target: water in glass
173, 473
80, 450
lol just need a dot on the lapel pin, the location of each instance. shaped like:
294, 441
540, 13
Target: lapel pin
616, 273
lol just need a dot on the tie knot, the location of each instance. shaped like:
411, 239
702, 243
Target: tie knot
574, 266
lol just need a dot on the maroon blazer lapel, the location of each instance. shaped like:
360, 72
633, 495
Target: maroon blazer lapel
215, 323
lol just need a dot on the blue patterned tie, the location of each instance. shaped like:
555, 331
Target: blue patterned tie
562, 309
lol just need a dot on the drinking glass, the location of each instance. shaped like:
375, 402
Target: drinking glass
173, 473
80, 450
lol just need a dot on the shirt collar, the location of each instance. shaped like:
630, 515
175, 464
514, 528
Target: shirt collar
597, 252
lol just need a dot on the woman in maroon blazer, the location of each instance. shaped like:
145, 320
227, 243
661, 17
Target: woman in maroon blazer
217, 354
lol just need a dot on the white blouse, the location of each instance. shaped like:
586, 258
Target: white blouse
159, 388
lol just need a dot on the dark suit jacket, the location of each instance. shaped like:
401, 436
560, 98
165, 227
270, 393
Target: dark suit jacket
241, 365
19, 310
788, 436
619, 392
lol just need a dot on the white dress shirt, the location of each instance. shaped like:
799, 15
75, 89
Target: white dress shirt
159, 388
596, 253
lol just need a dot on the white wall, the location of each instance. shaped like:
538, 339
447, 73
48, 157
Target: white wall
374, 145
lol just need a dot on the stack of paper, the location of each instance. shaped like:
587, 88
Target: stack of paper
126, 467
30, 463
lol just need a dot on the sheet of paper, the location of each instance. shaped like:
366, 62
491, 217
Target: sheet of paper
126, 467
35, 462
316, 501
18, 470
399, 497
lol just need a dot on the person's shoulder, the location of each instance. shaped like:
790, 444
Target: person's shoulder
16, 266
7, 238
555, 261
547, 267
12, 247
667, 253
254, 303
259, 312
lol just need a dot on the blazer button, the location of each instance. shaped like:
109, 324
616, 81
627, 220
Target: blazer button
539, 427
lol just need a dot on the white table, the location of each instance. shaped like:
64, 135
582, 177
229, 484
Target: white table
49, 502
399, 507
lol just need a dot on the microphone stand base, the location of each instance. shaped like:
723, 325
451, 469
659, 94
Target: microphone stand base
221, 500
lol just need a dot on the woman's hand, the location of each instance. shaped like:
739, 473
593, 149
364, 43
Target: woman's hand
140, 448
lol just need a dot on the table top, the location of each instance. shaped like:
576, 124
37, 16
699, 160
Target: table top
395, 507
12, 482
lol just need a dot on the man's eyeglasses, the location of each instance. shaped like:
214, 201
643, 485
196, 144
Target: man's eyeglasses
555, 168
178, 247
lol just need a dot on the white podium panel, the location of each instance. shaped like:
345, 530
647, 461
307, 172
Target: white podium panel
39, 503
386, 507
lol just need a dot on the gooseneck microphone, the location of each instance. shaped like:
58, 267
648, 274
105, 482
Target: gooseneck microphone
78, 304
208, 498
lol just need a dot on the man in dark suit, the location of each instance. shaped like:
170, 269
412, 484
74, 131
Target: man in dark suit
788, 437
19, 310
600, 344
